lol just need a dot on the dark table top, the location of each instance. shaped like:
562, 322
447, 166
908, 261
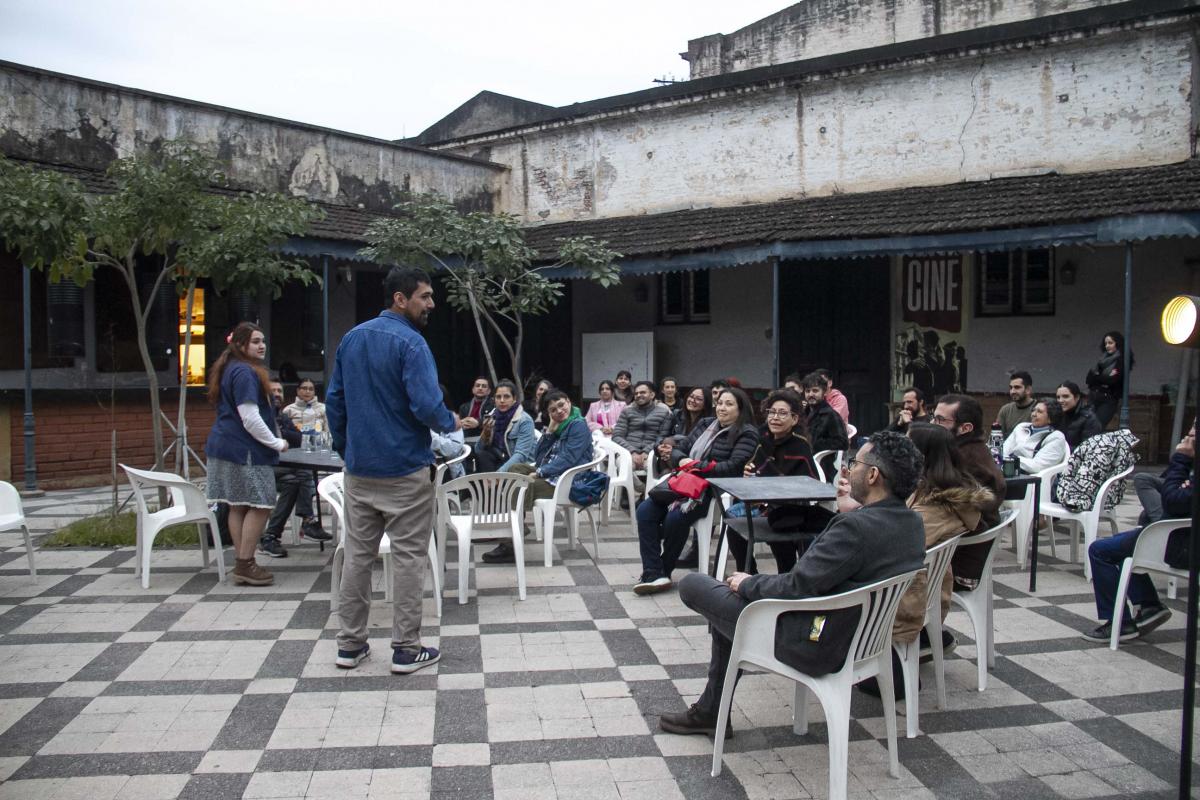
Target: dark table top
296, 458
1022, 480
776, 489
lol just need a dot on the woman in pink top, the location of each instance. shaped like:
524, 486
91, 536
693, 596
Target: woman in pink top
837, 401
602, 414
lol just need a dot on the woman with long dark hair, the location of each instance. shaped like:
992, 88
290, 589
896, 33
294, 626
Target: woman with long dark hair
602, 414
624, 386
728, 440
1079, 422
506, 435
1106, 380
670, 393
243, 446
535, 405
688, 415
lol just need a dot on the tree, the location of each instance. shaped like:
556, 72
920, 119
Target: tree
488, 265
169, 208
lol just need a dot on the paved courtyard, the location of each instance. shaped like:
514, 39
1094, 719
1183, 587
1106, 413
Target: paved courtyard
204, 690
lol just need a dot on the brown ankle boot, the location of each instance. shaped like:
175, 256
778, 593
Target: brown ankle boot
247, 571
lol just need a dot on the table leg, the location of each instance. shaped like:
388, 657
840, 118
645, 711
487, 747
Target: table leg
320, 520
1033, 538
751, 567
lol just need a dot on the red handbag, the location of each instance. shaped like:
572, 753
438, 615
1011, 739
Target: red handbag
687, 482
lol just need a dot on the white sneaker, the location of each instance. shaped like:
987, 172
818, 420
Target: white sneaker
652, 586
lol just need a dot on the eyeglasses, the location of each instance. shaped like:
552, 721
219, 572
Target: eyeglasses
777, 414
938, 419
849, 465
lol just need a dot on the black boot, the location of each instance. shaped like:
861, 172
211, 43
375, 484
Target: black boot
502, 553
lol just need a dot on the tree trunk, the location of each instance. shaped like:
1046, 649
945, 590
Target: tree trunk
181, 455
487, 351
139, 318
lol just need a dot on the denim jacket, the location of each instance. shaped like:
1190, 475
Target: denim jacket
559, 452
383, 399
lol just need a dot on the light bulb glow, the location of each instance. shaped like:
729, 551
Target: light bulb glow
1179, 319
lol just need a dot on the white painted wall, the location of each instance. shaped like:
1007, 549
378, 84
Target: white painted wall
1110, 101
1066, 345
735, 343
822, 27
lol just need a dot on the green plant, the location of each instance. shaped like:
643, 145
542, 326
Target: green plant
106, 530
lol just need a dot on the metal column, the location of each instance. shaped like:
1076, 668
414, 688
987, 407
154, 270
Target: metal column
1128, 348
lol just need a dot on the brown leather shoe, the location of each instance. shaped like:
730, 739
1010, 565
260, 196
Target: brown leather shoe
693, 721
248, 572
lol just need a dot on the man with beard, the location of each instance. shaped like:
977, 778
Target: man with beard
881, 539
383, 400
1020, 391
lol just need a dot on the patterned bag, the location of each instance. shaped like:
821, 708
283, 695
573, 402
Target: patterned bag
1096, 460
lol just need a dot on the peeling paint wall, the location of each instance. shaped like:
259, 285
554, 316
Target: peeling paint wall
1117, 100
823, 27
73, 121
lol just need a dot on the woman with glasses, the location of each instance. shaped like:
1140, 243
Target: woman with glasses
688, 415
784, 450
728, 440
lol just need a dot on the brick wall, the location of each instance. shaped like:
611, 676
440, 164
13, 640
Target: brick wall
74, 436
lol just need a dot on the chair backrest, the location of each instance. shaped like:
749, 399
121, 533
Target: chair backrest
879, 601
851, 432
620, 460
837, 462
439, 473
1150, 549
494, 497
10, 500
332, 489
937, 561
184, 493
562, 489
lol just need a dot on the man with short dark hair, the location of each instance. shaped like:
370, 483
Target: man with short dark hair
382, 402
825, 426
1020, 391
881, 539
642, 424
912, 409
963, 416
479, 406
837, 401
716, 387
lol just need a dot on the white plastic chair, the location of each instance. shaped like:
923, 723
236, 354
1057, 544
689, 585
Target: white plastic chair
495, 505
653, 477
620, 474
1088, 520
188, 504
12, 516
545, 510
937, 561
754, 645
979, 603
1025, 509
439, 477
839, 457
1148, 556
332, 489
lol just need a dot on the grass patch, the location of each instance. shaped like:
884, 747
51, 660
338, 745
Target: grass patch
106, 530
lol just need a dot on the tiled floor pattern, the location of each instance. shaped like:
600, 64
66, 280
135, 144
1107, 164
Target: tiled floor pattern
197, 689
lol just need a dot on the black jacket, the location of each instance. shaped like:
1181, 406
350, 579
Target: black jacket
287, 429
464, 410
857, 548
792, 456
825, 428
1079, 424
731, 450
1101, 380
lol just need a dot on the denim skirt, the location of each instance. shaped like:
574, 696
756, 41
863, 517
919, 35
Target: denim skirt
241, 484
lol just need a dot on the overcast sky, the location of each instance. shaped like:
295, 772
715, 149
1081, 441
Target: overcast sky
387, 69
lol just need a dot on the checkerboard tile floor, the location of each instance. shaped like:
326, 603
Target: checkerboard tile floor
198, 689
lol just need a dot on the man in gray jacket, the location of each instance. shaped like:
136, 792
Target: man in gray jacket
643, 424
882, 539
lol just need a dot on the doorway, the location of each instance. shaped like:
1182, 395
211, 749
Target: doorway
837, 315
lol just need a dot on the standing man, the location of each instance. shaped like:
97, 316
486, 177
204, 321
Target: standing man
480, 405
1020, 390
642, 425
912, 410
383, 400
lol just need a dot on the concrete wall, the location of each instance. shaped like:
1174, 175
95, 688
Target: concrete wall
735, 343
68, 120
1066, 345
1117, 100
823, 27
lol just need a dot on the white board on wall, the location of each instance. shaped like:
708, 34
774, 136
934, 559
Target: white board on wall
606, 354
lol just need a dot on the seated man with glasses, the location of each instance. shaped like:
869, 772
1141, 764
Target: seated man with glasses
881, 539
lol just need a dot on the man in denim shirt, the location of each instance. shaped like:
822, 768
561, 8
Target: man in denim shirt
382, 402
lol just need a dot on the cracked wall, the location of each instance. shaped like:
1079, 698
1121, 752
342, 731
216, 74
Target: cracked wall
63, 120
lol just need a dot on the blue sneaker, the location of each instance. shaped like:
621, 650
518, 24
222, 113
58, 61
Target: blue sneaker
406, 661
349, 659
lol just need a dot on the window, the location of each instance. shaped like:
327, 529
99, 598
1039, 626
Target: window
683, 298
1018, 283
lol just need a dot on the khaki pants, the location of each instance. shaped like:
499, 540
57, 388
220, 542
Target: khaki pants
403, 507
540, 489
